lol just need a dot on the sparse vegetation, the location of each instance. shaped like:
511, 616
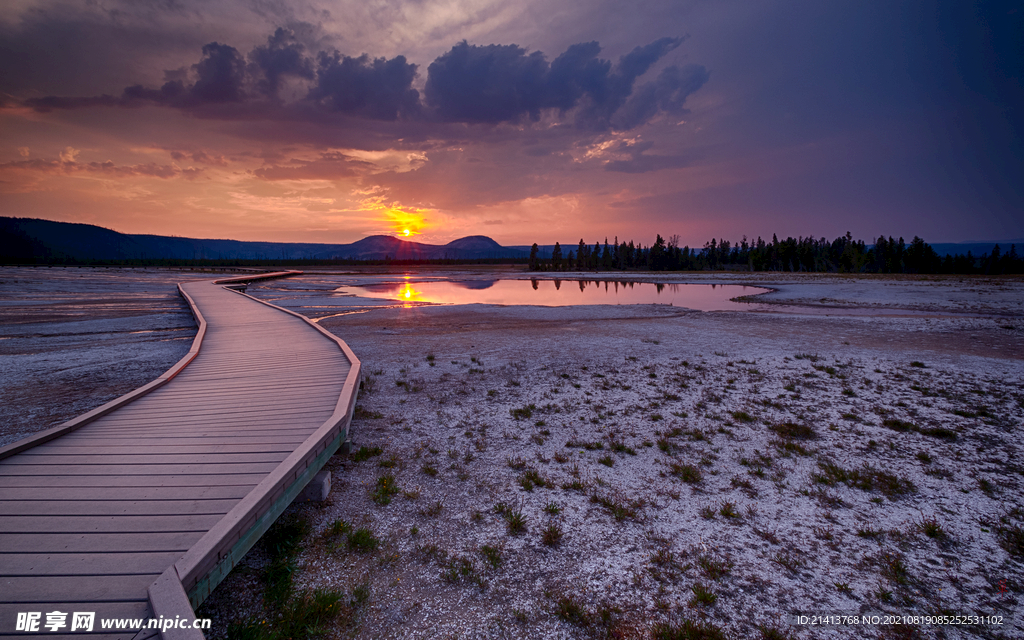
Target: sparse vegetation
672, 474
385, 488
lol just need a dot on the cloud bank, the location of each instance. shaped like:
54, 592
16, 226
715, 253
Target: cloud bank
471, 84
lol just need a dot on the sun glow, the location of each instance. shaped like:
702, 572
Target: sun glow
405, 222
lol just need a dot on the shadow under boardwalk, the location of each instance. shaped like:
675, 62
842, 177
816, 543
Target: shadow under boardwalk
91, 518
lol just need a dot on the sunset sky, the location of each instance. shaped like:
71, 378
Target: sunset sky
526, 121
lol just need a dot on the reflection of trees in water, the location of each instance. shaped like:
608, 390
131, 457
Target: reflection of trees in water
611, 286
475, 285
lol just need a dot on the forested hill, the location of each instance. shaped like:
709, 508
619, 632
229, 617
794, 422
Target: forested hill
29, 240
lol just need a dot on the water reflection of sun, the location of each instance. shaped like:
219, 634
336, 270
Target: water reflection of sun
408, 294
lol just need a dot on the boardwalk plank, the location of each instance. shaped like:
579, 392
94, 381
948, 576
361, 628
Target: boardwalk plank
84, 564
89, 588
145, 448
140, 480
132, 469
98, 542
123, 493
105, 524
110, 507
148, 458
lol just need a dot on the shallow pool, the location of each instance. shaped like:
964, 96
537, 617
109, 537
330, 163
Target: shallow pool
560, 293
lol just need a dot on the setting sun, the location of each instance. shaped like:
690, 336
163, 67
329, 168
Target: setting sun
404, 222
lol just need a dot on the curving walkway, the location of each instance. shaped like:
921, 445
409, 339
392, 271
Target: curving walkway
152, 498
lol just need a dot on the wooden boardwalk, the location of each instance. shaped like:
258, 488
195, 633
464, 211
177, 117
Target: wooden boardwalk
171, 484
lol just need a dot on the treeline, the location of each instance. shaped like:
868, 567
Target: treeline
842, 255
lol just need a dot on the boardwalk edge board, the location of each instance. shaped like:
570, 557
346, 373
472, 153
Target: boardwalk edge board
210, 560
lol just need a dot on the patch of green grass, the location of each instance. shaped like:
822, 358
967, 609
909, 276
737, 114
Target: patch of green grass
551, 535
899, 425
793, 431
589, 446
688, 473
359, 413
607, 461
702, 595
571, 610
532, 478
894, 567
552, 509
432, 509
1011, 538
742, 416
492, 555
788, 447
523, 412
620, 447
307, 613
386, 487
362, 540
788, 560
931, 527
867, 478
515, 521
728, 510
939, 432
689, 630
365, 453
712, 567
576, 484
619, 508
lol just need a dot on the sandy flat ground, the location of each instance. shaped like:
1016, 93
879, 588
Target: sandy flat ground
862, 461
853, 445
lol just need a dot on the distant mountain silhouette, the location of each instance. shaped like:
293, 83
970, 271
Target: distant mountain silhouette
30, 239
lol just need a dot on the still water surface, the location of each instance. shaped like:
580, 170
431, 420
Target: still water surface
559, 293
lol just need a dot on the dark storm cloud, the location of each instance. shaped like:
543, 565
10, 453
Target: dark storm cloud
667, 93
488, 84
377, 88
505, 83
222, 76
282, 56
